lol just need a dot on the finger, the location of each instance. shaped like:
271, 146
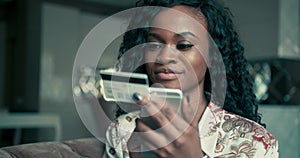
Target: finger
184, 109
135, 155
173, 117
148, 108
155, 105
147, 146
188, 111
154, 138
167, 117
180, 124
159, 152
140, 99
159, 138
161, 103
161, 116
151, 107
134, 143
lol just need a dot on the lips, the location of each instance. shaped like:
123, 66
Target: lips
167, 74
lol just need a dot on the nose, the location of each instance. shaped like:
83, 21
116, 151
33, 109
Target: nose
166, 56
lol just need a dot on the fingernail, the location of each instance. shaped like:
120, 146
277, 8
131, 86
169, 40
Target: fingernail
136, 96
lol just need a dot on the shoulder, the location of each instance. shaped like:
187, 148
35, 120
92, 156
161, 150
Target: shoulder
237, 136
242, 136
245, 128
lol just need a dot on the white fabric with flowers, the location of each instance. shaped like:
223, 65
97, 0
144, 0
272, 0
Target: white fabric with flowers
222, 134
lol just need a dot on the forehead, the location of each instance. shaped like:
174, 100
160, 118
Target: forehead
180, 19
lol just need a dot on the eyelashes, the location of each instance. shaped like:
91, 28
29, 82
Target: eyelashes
156, 46
184, 47
153, 46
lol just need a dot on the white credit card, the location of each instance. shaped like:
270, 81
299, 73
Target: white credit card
167, 96
172, 97
120, 86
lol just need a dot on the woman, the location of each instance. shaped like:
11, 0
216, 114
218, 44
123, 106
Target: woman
177, 54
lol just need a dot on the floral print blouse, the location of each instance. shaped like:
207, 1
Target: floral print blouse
222, 135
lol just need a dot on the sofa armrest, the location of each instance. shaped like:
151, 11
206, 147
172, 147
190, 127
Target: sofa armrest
88, 147
4, 154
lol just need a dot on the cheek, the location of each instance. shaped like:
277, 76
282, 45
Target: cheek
148, 67
198, 65
149, 57
149, 60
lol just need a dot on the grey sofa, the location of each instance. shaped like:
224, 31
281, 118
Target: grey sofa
79, 148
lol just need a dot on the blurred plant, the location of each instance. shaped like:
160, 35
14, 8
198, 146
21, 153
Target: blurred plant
88, 82
261, 73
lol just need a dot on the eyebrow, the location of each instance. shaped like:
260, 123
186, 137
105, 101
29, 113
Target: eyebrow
187, 33
155, 35
181, 34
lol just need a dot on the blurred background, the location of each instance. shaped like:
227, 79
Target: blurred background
39, 40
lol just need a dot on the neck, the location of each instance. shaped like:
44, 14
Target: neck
197, 101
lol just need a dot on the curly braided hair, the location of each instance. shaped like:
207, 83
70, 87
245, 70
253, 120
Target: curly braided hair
239, 97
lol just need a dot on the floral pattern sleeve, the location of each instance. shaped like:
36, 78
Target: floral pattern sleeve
228, 135
118, 134
271, 152
222, 135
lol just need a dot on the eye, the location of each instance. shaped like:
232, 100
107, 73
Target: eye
184, 46
153, 46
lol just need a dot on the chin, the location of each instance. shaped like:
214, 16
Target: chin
168, 84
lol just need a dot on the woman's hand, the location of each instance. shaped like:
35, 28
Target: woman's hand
178, 136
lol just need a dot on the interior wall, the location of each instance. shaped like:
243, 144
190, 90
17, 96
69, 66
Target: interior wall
283, 121
289, 17
257, 24
64, 28
60, 41
2, 64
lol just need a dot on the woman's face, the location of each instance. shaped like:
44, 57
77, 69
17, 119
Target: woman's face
172, 58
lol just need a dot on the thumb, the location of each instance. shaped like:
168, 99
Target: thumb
140, 99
